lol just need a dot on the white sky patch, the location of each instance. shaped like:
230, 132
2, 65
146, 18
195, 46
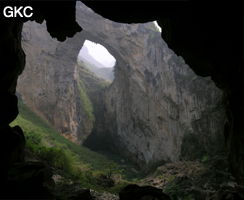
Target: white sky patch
100, 53
157, 26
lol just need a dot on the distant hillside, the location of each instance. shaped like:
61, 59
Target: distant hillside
102, 72
85, 56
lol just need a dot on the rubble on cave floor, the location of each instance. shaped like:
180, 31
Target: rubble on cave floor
206, 180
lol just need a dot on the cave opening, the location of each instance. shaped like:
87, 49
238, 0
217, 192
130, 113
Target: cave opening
155, 94
162, 106
97, 59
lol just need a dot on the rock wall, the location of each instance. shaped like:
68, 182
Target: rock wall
155, 101
49, 85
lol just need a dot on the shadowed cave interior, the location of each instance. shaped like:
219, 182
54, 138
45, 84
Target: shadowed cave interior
209, 60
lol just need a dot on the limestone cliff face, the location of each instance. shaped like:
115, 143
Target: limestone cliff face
153, 104
156, 103
50, 83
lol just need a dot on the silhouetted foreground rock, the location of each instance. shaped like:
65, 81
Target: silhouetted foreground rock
28, 180
12, 145
135, 192
83, 194
71, 191
228, 193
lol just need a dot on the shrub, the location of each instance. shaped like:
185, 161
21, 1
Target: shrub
56, 158
34, 138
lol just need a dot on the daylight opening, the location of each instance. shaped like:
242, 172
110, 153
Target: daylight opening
96, 54
97, 59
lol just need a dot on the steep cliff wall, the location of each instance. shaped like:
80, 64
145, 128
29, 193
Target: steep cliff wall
50, 85
154, 103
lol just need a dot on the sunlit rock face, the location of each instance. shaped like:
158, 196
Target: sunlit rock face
49, 83
154, 102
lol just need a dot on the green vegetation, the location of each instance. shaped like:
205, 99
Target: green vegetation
88, 169
85, 100
67, 159
179, 187
105, 75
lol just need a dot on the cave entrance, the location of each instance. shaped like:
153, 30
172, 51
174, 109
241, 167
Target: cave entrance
144, 115
97, 59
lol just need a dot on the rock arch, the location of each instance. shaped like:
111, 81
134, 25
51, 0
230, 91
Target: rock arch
229, 75
154, 101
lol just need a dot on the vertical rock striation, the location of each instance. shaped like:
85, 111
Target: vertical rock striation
156, 101
50, 83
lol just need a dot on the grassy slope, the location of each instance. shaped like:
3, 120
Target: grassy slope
32, 124
76, 161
